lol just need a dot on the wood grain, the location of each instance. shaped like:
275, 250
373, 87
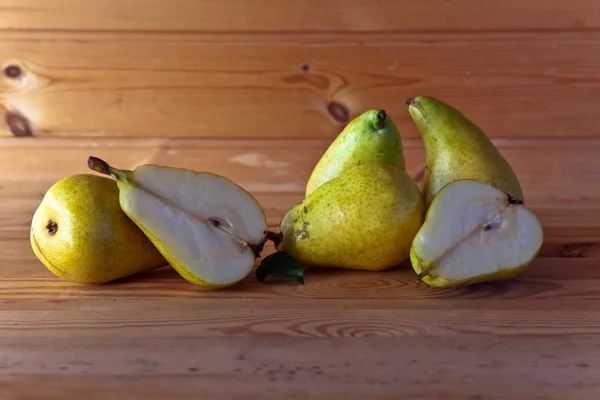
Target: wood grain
269, 86
255, 91
215, 318
558, 177
305, 16
320, 368
342, 335
555, 174
24, 277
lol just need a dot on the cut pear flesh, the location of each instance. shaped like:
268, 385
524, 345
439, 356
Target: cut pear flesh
474, 232
207, 227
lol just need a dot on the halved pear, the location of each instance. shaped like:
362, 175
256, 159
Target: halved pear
207, 227
474, 232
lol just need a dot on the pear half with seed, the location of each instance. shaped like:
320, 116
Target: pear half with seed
473, 233
207, 227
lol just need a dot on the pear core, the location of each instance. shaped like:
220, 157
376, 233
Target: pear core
209, 228
474, 231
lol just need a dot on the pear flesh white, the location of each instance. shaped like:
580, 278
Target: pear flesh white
474, 232
370, 138
209, 229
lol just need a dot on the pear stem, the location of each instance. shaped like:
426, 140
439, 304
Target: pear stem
513, 201
275, 238
422, 275
379, 122
101, 166
257, 249
410, 101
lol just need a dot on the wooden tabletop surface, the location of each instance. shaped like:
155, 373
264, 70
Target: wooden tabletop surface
344, 334
256, 91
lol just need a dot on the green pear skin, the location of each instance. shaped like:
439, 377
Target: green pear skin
80, 233
366, 219
371, 138
456, 148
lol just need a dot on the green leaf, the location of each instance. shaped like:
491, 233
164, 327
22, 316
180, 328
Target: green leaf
280, 265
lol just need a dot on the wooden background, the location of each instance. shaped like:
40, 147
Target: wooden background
256, 91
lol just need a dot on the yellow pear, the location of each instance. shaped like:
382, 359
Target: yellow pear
366, 219
80, 233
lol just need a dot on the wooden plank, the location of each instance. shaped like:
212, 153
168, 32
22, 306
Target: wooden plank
321, 368
344, 334
24, 278
295, 318
163, 306
305, 16
75, 85
558, 176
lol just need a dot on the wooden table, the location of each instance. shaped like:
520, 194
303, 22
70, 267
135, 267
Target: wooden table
343, 334
256, 91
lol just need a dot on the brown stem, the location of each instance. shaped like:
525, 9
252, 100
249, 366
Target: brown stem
101, 166
512, 200
422, 275
275, 237
379, 122
257, 249
98, 165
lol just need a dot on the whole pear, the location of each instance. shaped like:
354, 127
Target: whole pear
371, 138
366, 219
456, 148
80, 233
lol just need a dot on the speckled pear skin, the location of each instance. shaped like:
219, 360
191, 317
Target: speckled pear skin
458, 149
366, 219
371, 138
81, 234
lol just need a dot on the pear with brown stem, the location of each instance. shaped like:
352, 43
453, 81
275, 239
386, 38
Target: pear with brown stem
209, 228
